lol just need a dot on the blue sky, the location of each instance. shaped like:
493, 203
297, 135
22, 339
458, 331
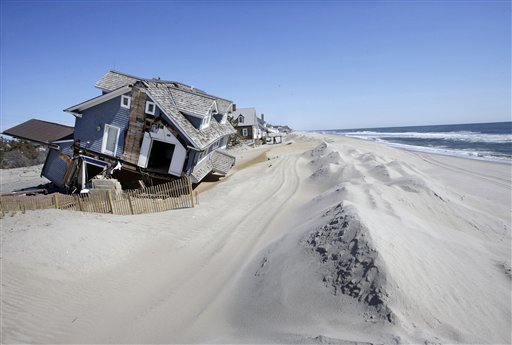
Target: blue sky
308, 64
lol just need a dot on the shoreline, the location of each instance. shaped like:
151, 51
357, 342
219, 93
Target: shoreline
425, 149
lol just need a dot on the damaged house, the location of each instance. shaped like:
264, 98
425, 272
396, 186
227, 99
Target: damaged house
142, 129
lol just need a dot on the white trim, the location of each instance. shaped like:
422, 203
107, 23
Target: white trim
148, 104
204, 157
98, 100
192, 114
214, 107
179, 127
181, 130
105, 138
245, 132
129, 99
206, 122
62, 141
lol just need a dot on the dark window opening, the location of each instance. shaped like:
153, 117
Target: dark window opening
160, 156
92, 171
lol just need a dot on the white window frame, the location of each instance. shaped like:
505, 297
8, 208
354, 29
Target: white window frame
242, 118
148, 104
127, 106
245, 132
202, 156
206, 122
105, 139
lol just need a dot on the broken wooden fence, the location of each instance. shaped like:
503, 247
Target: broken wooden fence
172, 195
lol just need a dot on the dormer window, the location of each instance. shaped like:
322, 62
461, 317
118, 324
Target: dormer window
206, 122
150, 108
126, 101
240, 119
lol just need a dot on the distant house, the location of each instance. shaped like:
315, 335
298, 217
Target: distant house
249, 126
143, 129
274, 136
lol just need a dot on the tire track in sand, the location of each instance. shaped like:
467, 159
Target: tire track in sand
218, 271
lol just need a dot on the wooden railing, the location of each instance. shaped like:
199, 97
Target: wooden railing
172, 195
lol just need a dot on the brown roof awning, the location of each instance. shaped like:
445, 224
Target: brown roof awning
40, 131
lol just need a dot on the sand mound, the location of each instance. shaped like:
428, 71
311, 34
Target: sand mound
349, 260
420, 244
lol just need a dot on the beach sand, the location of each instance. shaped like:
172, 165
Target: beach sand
321, 239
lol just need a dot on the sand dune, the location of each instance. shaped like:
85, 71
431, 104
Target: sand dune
329, 240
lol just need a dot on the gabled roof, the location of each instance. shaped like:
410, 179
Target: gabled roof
115, 79
261, 124
39, 131
199, 138
249, 114
190, 102
100, 99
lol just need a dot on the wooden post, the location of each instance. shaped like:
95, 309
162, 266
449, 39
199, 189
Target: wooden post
190, 191
130, 203
79, 202
56, 200
110, 202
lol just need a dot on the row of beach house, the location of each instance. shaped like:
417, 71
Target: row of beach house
255, 130
142, 129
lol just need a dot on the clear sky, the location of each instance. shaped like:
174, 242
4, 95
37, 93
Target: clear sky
308, 64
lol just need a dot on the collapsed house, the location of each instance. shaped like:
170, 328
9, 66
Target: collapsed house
141, 129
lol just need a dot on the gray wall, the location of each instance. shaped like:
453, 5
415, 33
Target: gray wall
109, 112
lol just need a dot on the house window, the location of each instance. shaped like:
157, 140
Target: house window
110, 139
201, 156
245, 132
126, 101
150, 108
240, 119
206, 122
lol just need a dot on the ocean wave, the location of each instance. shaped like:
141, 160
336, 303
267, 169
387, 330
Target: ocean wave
464, 153
463, 136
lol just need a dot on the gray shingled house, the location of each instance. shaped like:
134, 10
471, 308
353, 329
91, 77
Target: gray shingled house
144, 129
249, 126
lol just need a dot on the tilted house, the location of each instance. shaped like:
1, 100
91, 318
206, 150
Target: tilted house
144, 128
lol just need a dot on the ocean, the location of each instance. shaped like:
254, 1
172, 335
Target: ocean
486, 141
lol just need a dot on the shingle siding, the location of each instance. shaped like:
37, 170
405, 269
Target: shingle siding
109, 112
